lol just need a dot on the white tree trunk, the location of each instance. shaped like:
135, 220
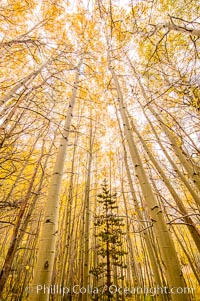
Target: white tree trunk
47, 243
168, 253
186, 30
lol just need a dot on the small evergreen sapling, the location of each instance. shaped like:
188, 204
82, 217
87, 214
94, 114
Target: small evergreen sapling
110, 246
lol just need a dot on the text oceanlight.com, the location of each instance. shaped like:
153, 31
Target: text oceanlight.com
55, 289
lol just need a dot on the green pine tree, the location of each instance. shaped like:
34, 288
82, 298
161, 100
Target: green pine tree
110, 246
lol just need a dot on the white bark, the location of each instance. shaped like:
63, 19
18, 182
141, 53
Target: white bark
24, 82
194, 195
168, 253
47, 243
189, 166
186, 30
194, 231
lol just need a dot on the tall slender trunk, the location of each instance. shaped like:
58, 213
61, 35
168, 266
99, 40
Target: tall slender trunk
133, 267
87, 216
146, 235
21, 171
153, 260
194, 195
24, 82
189, 166
14, 238
194, 269
66, 263
195, 233
47, 244
107, 255
37, 193
168, 253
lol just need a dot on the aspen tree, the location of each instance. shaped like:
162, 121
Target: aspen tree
154, 260
189, 222
87, 213
68, 230
73, 229
194, 195
189, 257
169, 256
146, 235
37, 193
190, 167
21, 171
14, 238
23, 83
47, 244
183, 29
129, 241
